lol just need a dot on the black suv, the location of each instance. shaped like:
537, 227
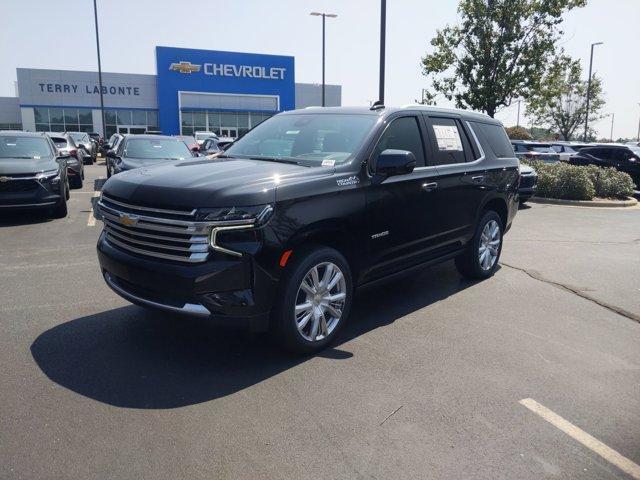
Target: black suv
306, 207
33, 174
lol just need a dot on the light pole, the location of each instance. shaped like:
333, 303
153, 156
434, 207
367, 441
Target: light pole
586, 116
518, 121
95, 15
383, 28
324, 16
638, 126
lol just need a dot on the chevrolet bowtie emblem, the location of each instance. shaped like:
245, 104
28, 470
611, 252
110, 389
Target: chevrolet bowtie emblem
184, 67
128, 220
4, 179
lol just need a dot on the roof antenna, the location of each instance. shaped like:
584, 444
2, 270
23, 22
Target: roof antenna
377, 105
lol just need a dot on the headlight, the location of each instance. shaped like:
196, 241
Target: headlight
235, 220
51, 176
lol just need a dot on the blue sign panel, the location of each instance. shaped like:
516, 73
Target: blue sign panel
208, 71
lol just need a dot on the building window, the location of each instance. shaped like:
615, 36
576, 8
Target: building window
63, 119
220, 122
10, 126
129, 121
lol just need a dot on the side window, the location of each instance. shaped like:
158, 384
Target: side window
450, 142
495, 137
402, 134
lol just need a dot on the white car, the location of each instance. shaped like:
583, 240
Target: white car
202, 136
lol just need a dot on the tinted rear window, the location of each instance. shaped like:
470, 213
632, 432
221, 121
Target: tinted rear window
495, 137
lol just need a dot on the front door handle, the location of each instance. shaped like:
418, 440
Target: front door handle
477, 179
429, 187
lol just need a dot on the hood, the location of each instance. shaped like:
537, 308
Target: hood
128, 163
9, 166
208, 182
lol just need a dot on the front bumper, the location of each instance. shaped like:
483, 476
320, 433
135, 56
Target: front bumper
29, 194
228, 290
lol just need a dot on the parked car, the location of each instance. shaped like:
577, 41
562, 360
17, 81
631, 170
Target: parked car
135, 151
528, 183
633, 144
95, 136
306, 207
210, 146
535, 151
625, 158
225, 142
86, 145
75, 165
202, 136
190, 142
112, 144
33, 174
565, 151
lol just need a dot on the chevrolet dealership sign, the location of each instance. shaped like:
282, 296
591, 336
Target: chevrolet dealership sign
226, 70
183, 72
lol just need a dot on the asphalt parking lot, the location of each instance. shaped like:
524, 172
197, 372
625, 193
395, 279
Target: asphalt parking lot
426, 381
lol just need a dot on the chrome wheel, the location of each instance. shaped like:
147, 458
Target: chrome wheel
320, 301
489, 245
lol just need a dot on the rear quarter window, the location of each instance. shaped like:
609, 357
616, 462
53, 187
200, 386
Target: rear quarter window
494, 137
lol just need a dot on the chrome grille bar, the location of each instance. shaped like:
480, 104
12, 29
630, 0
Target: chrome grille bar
189, 213
153, 234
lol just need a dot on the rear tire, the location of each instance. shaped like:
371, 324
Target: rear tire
77, 181
308, 317
481, 257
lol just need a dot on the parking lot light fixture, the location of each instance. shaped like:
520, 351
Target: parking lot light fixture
324, 16
586, 115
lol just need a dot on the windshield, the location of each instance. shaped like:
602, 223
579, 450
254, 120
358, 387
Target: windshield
24, 147
60, 142
541, 149
156, 148
309, 139
77, 137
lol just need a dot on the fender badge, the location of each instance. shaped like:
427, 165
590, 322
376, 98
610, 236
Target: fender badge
344, 182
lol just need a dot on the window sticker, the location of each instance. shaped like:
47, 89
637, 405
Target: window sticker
328, 162
448, 137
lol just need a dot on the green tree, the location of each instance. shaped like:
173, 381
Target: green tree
518, 133
560, 101
496, 52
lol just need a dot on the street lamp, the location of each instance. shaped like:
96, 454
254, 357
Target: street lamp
324, 16
95, 16
638, 126
586, 116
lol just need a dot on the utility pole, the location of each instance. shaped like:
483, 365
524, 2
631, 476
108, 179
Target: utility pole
383, 24
518, 121
638, 137
613, 115
586, 116
95, 14
323, 15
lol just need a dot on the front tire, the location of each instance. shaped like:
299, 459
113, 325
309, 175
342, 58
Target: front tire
315, 300
480, 260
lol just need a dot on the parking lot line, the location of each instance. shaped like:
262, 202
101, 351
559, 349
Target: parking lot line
91, 222
595, 445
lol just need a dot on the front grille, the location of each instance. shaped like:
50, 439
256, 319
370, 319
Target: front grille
155, 232
528, 181
18, 186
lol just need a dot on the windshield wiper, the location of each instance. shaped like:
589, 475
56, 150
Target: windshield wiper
274, 159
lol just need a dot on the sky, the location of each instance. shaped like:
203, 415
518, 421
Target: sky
60, 35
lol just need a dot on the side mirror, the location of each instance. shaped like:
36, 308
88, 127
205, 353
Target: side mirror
393, 162
111, 154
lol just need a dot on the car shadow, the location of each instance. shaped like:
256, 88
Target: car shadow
25, 217
135, 358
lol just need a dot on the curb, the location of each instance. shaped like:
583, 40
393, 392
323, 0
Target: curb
629, 202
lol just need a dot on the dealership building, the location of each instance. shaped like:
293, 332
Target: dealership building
193, 90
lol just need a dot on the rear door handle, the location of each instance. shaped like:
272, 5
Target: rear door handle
477, 178
428, 187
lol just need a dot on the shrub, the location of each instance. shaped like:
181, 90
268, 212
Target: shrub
518, 133
572, 182
610, 183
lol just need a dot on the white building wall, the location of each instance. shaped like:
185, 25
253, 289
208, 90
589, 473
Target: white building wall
96, 116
